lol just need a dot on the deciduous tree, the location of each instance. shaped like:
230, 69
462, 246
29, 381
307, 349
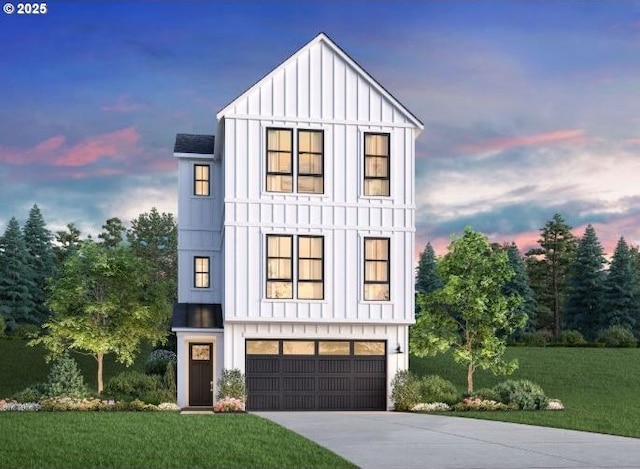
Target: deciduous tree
471, 312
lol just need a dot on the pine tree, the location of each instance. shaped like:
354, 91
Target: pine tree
519, 285
548, 267
621, 301
16, 279
67, 242
112, 233
41, 259
585, 293
427, 278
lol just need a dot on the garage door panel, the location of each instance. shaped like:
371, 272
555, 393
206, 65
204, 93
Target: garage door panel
334, 365
263, 365
334, 384
264, 401
298, 402
373, 365
298, 365
262, 384
337, 402
369, 384
298, 384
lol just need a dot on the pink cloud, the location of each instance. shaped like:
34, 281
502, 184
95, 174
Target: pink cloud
51, 144
632, 141
558, 136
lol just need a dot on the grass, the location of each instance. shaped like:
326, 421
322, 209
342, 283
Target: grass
22, 366
158, 440
599, 387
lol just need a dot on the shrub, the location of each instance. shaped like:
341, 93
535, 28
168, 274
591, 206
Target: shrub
405, 391
229, 404
431, 407
26, 331
3, 325
617, 336
158, 360
535, 339
524, 393
31, 394
231, 384
571, 338
132, 385
475, 403
65, 379
433, 388
485, 394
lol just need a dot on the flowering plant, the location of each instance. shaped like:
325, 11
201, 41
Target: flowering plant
431, 407
475, 403
229, 404
19, 407
168, 406
555, 404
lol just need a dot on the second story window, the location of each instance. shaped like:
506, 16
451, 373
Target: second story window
310, 267
308, 166
201, 175
201, 272
279, 160
376, 164
279, 266
376, 269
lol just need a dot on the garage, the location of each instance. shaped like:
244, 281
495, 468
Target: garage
316, 374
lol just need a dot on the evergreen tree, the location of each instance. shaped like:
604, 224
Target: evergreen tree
585, 293
67, 242
549, 265
38, 240
622, 298
112, 233
427, 278
519, 285
16, 279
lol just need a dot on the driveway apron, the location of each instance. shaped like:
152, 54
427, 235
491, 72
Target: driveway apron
374, 440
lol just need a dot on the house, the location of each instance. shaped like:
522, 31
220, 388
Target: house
296, 240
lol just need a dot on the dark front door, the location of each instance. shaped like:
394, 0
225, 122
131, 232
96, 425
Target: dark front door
200, 374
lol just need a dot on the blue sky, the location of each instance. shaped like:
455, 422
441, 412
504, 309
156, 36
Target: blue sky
529, 107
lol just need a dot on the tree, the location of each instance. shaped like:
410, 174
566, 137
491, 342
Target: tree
104, 301
427, 278
38, 240
471, 312
552, 260
585, 286
621, 296
17, 283
154, 237
68, 242
112, 233
519, 285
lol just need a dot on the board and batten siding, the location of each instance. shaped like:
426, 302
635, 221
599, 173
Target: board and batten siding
318, 89
201, 230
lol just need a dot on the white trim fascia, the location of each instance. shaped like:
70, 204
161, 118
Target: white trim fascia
364, 322
288, 120
199, 330
199, 156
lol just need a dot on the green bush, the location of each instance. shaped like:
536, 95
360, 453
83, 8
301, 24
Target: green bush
3, 325
405, 391
433, 388
26, 331
33, 393
571, 338
524, 393
134, 385
486, 394
535, 339
157, 361
617, 336
231, 384
65, 379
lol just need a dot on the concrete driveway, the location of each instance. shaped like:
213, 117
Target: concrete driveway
401, 440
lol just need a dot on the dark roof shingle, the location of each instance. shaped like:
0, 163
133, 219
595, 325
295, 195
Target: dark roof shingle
191, 143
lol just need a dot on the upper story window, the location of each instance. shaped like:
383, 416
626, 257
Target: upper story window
201, 272
376, 269
309, 164
201, 177
377, 151
309, 251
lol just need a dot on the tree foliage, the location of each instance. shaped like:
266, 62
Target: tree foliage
17, 284
519, 285
585, 286
427, 278
67, 242
104, 301
622, 293
112, 233
471, 312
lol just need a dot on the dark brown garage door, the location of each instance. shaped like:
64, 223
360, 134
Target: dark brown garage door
316, 375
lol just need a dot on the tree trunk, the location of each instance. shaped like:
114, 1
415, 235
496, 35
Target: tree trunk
100, 358
470, 371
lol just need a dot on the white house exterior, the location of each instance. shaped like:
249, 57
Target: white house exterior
296, 240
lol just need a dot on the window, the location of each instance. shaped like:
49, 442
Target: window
376, 164
376, 269
201, 272
368, 348
279, 266
309, 162
201, 179
280, 160
298, 347
263, 347
309, 267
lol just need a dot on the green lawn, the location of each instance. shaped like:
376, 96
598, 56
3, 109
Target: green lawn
154, 439
599, 387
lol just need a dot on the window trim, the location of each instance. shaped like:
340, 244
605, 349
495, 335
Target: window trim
197, 273
196, 180
366, 156
280, 280
279, 173
365, 260
321, 259
319, 175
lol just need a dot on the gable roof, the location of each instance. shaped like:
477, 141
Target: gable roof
193, 143
322, 37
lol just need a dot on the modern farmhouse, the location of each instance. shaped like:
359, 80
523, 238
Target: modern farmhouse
296, 240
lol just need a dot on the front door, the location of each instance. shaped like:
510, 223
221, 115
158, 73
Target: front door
200, 375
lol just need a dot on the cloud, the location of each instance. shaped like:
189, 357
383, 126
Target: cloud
123, 104
548, 138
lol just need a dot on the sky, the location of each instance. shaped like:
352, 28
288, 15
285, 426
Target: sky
530, 108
